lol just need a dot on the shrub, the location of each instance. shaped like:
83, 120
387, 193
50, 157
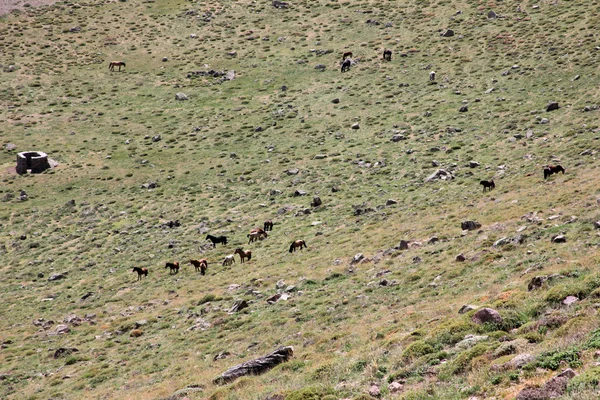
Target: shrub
311, 393
594, 340
589, 379
417, 349
552, 359
462, 363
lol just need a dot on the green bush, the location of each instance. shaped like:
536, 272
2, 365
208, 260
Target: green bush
594, 340
462, 363
589, 379
312, 393
552, 359
417, 349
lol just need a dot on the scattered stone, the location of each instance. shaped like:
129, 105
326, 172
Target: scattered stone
355, 126
40, 275
463, 109
395, 387
461, 257
448, 33
492, 15
280, 4
293, 171
181, 96
141, 323
402, 246
470, 225
440, 174
553, 388
321, 67
335, 101
466, 308
390, 202
62, 329
156, 138
56, 277
559, 239
299, 192
473, 164
238, 305
357, 258
553, 105
536, 282
485, 315
544, 121
521, 360
374, 391
87, 295
64, 351
433, 239
397, 138
70, 203
258, 129
470, 341
165, 59
10, 146
569, 300
316, 202
150, 185
257, 366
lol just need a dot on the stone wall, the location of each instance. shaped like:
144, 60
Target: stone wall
36, 161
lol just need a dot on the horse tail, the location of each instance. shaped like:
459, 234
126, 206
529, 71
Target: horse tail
249, 254
304, 243
292, 247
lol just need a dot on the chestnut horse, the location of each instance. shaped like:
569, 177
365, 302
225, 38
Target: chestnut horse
552, 169
297, 243
200, 265
488, 184
173, 267
243, 254
387, 55
346, 54
140, 272
113, 64
268, 225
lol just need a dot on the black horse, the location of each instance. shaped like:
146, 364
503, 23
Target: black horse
216, 239
552, 169
488, 184
173, 267
387, 55
346, 65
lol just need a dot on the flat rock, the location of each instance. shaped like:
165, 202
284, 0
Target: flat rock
569, 300
466, 308
559, 239
181, 96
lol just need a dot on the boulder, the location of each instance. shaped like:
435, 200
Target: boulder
461, 257
466, 308
181, 96
257, 366
553, 105
470, 225
448, 33
492, 15
403, 245
440, 174
559, 239
486, 315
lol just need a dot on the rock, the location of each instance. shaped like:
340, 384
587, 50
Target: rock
355, 126
156, 138
62, 329
553, 105
335, 101
181, 96
501, 242
466, 308
293, 171
320, 156
463, 109
473, 164
504, 349
486, 315
397, 138
280, 4
357, 258
284, 88
470, 341
165, 59
374, 391
521, 360
238, 305
492, 15
390, 202
87, 295
597, 224
461, 257
257, 366
559, 239
70, 203
395, 387
320, 67
448, 33
140, 323
229, 76
299, 192
136, 333
536, 282
569, 300
440, 174
150, 185
544, 121
433, 239
470, 225
56, 277
64, 351
316, 202
402, 246
40, 275
10, 146
258, 129
554, 388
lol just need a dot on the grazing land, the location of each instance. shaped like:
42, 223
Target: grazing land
231, 113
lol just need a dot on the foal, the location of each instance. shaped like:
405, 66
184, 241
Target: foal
243, 254
140, 272
488, 184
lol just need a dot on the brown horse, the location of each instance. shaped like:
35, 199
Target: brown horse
200, 265
488, 184
113, 64
552, 169
346, 55
243, 254
268, 225
387, 55
173, 267
256, 234
140, 272
297, 243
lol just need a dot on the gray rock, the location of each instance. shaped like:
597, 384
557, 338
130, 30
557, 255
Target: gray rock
230, 75
316, 201
62, 329
397, 138
150, 185
402, 246
486, 315
355, 126
553, 105
293, 171
461, 257
470, 341
470, 225
463, 109
521, 360
544, 121
156, 138
299, 192
492, 15
238, 305
10, 146
569, 300
559, 239
448, 33
320, 67
181, 96
440, 174
390, 202
357, 258
473, 164
56, 277
466, 308
335, 101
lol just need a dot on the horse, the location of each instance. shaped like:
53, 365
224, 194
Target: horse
243, 254
140, 272
346, 65
113, 64
346, 54
229, 260
297, 243
387, 55
432, 76
173, 266
553, 169
488, 184
216, 239
268, 225
200, 265
255, 234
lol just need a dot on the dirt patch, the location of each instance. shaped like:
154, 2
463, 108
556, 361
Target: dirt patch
7, 6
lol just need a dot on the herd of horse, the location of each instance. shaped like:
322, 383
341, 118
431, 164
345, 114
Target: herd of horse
548, 170
202, 265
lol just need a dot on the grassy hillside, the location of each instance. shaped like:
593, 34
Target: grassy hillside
261, 146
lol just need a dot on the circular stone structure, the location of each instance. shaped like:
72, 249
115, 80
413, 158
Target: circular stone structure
36, 161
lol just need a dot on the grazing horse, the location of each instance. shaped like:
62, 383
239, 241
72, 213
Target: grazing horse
255, 234
488, 184
387, 55
346, 55
200, 265
268, 226
140, 272
173, 267
432, 76
216, 239
243, 254
552, 169
346, 65
297, 243
229, 260
113, 64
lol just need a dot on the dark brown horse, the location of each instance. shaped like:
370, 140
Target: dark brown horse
552, 169
216, 239
173, 267
113, 64
297, 243
200, 265
243, 254
346, 55
488, 184
140, 272
387, 55
268, 225
346, 65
